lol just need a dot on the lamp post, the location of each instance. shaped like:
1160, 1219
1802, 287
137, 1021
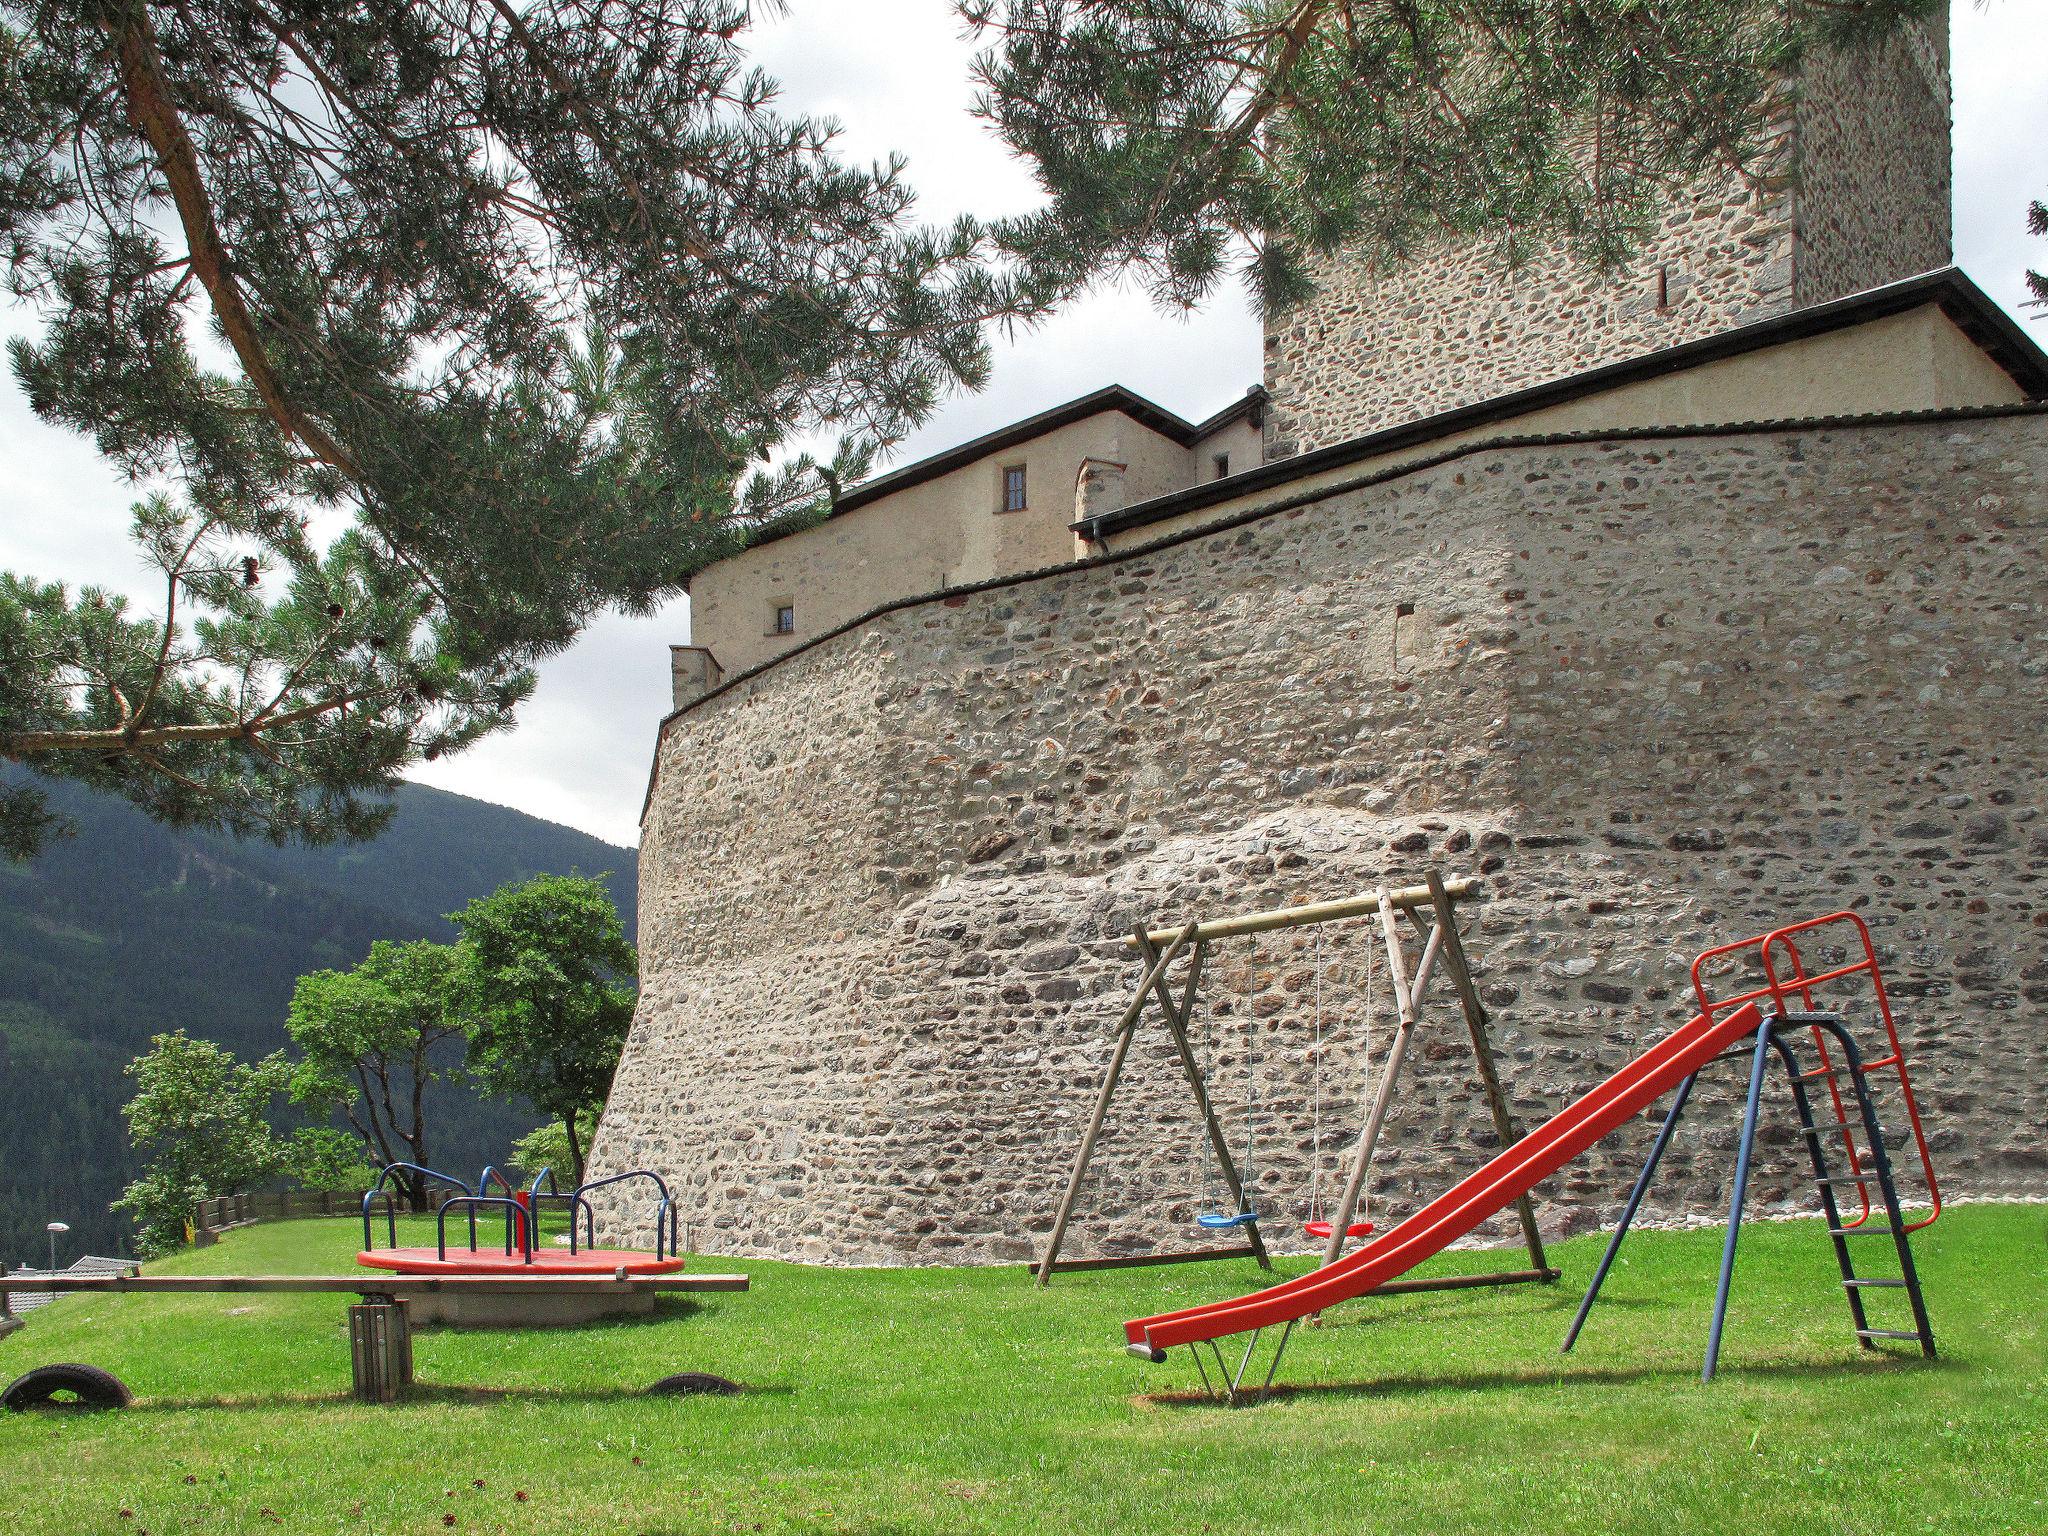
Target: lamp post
54, 1228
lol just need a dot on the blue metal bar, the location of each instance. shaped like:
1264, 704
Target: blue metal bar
1816, 1156
514, 1211
483, 1180
390, 1208
483, 1184
1764, 1041
635, 1173
1628, 1212
619, 1178
1881, 1164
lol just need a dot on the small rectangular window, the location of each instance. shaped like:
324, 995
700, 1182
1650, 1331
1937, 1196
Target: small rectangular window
1013, 488
785, 620
1222, 465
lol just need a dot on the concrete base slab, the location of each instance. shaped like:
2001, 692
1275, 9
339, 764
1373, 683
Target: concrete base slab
8, 1324
543, 1309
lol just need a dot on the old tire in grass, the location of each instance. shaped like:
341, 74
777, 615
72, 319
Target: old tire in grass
86, 1385
690, 1383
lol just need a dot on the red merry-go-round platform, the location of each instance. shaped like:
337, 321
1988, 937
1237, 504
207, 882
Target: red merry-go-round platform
545, 1263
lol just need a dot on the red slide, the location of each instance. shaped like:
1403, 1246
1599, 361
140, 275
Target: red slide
1451, 1215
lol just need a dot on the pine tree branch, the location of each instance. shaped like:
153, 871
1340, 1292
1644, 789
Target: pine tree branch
19, 745
173, 575
154, 114
564, 87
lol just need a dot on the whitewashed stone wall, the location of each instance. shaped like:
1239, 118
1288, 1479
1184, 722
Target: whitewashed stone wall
1859, 197
1658, 692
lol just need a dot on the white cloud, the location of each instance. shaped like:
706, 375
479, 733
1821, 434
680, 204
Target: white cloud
894, 72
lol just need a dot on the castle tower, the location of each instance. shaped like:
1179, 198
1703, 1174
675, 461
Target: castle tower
1860, 198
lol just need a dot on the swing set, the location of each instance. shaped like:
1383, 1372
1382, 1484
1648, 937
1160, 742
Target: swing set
1430, 911
1212, 1215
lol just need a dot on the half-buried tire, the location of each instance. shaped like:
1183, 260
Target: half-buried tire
83, 1386
690, 1383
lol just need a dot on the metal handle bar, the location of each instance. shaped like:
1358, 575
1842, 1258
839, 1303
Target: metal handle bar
514, 1221
390, 1207
664, 1208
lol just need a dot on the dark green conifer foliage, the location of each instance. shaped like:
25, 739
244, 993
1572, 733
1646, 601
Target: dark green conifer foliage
302, 265
2037, 224
1184, 140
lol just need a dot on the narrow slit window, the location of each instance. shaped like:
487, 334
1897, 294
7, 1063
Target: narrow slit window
1222, 462
1013, 488
785, 620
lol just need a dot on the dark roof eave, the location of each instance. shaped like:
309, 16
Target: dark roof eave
1113, 397
1967, 305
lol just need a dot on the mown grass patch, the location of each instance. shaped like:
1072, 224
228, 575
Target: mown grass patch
966, 1400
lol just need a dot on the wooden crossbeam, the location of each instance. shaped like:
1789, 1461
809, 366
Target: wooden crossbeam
1465, 1282
1140, 1260
1406, 896
369, 1284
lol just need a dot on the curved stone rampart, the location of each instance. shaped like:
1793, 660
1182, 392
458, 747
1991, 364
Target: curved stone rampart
1658, 692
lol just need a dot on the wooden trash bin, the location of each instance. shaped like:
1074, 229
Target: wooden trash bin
380, 1350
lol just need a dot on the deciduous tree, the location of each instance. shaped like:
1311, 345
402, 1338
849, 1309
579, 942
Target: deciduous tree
319, 1157
550, 984
546, 1146
200, 1119
371, 1039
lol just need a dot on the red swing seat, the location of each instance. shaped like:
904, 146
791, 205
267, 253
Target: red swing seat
1325, 1228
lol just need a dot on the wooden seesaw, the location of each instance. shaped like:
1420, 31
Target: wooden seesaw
380, 1325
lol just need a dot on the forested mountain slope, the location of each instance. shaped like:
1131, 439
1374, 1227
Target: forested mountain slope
130, 929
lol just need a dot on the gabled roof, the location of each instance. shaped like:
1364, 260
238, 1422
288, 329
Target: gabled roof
1967, 305
1112, 398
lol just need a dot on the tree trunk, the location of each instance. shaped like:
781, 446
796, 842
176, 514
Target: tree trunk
416, 1138
575, 1146
412, 1184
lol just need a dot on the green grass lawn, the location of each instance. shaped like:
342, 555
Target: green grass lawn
966, 1400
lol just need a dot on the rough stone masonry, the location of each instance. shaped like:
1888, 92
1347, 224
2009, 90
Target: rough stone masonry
1856, 194
1657, 691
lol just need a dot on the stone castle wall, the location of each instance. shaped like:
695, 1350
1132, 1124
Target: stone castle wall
1861, 198
1658, 692
1873, 194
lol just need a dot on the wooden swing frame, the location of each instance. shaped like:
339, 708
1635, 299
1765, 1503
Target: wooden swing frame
1441, 945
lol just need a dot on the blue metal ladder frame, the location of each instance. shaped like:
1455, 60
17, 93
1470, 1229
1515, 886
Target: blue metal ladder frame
1769, 1038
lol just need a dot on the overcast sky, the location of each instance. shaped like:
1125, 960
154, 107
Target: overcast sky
894, 72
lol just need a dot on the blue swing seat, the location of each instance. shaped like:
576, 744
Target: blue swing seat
1217, 1221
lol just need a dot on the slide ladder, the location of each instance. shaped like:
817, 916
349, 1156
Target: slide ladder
1782, 1036
1772, 971
1817, 1133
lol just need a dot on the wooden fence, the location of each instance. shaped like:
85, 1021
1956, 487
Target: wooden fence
224, 1211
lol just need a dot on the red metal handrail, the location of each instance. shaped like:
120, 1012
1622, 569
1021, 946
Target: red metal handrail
1797, 983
